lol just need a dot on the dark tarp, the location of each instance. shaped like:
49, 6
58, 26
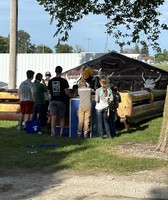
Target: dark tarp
127, 71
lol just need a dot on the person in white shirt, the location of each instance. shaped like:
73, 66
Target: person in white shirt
103, 97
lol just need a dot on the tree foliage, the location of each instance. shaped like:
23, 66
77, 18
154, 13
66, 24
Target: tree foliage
4, 44
43, 49
63, 48
78, 49
161, 57
141, 19
136, 49
145, 50
24, 44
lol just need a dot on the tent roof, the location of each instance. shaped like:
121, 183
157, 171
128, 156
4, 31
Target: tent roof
127, 72
119, 64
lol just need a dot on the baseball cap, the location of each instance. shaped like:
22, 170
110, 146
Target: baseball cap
58, 69
47, 73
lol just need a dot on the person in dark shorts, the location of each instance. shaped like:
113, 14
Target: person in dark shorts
58, 88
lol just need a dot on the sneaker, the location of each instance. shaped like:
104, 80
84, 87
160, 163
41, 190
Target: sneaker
40, 132
19, 128
85, 134
52, 134
79, 134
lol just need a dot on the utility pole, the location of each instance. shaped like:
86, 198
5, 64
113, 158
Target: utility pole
13, 43
88, 43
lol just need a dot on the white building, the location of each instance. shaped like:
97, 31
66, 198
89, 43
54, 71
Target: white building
40, 63
135, 56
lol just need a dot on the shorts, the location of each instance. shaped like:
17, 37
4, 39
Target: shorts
26, 107
57, 108
49, 114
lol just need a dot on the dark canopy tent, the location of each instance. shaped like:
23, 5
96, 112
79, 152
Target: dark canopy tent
127, 71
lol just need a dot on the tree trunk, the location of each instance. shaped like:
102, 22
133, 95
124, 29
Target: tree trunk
163, 138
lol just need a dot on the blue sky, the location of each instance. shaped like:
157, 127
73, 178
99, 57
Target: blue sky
89, 33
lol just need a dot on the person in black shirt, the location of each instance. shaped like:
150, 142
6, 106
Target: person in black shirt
58, 88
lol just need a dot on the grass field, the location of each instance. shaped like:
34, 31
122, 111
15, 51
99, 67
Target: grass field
89, 155
161, 66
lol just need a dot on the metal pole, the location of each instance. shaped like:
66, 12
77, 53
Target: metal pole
88, 43
13, 43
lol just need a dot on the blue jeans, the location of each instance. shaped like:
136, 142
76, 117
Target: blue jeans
102, 121
112, 122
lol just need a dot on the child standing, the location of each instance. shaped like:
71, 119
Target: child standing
103, 98
84, 110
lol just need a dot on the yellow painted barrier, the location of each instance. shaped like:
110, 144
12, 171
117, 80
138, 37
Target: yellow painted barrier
140, 105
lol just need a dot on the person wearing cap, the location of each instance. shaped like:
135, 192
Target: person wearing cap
47, 77
58, 88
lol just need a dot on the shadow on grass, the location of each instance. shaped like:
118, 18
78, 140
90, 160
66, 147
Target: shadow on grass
19, 149
132, 129
24, 175
18, 164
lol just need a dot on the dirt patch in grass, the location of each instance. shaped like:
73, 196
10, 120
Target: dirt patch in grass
140, 149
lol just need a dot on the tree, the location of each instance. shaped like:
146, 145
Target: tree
24, 44
4, 44
121, 50
138, 17
43, 49
130, 50
145, 50
31, 48
112, 51
159, 57
162, 56
63, 48
78, 49
136, 49
163, 137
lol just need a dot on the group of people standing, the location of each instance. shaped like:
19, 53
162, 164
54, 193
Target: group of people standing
51, 95
44, 99
34, 98
107, 100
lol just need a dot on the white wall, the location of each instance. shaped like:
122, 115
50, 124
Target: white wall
133, 55
40, 63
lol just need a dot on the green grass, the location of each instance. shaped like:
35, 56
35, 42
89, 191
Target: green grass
90, 156
162, 66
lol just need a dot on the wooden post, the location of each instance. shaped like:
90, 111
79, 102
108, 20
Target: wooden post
13, 43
